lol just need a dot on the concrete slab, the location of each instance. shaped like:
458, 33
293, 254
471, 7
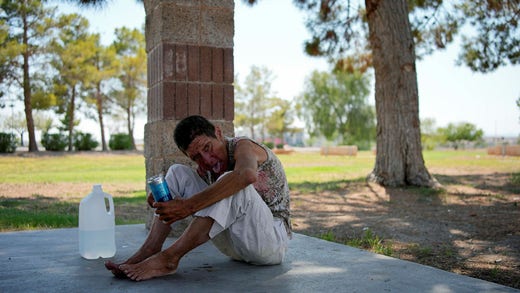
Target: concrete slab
48, 261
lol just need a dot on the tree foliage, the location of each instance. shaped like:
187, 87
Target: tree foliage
490, 35
496, 38
281, 118
55, 63
253, 101
104, 70
4, 58
130, 95
74, 49
24, 29
458, 134
430, 137
335, 105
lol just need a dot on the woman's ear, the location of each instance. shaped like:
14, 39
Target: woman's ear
218, 132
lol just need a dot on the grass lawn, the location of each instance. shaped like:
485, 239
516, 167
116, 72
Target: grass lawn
81, 167
305, 172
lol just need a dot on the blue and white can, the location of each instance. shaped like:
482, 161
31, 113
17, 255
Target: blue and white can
159, 188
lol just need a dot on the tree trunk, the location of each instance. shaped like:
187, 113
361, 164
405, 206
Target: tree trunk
71, 116
130, 128
99, 105
252, 130
399, 159
33, 146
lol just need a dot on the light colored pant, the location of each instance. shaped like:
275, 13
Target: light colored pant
244, 227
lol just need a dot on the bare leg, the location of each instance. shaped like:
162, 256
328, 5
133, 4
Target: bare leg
166, 262
153, 244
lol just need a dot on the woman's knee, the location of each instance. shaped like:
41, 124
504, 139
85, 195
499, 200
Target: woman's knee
179, 169
183, 181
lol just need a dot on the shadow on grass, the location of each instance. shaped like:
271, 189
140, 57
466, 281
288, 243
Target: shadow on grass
494, 183
309, 187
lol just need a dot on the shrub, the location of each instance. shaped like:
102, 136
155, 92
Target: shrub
269, 144
84, 142
364, 145
120, 141
279, 146
7, 142
54, 141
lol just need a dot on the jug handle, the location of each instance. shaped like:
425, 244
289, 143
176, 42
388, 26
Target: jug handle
110, 203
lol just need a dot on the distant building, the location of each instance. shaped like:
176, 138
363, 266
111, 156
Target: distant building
294, 138
494, 141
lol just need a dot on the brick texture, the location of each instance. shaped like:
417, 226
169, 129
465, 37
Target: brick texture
217, 69
205, 64
188, 80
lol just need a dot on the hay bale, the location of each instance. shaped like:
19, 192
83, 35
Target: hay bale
513, 150
504, 150
344, 150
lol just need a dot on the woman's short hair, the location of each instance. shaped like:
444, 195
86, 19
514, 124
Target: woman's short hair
191, 127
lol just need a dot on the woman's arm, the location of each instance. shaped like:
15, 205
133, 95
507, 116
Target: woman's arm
248, 155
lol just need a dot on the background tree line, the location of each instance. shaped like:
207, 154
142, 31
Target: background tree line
333, 106
52, 62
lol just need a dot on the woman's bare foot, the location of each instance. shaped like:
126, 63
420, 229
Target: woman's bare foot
166, 262
139, 256
114, 268
160, 264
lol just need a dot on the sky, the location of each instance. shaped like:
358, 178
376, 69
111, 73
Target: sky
272, 34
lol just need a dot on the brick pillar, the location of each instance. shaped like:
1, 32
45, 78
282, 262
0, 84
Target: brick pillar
189, 44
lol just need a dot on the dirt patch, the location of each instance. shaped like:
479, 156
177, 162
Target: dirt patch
64, 190
472, 227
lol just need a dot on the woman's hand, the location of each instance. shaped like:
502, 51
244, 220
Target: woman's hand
150, 200
172, 210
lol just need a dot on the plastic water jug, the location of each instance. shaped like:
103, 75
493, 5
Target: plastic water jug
97, 225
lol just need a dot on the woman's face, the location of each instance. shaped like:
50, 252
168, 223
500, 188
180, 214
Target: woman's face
209, 153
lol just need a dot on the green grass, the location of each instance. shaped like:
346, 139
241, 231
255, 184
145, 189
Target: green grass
471, 159
315, 168
87, 168
300, 167
370, 241
40, 212
306, 172
37, 213
329, 236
